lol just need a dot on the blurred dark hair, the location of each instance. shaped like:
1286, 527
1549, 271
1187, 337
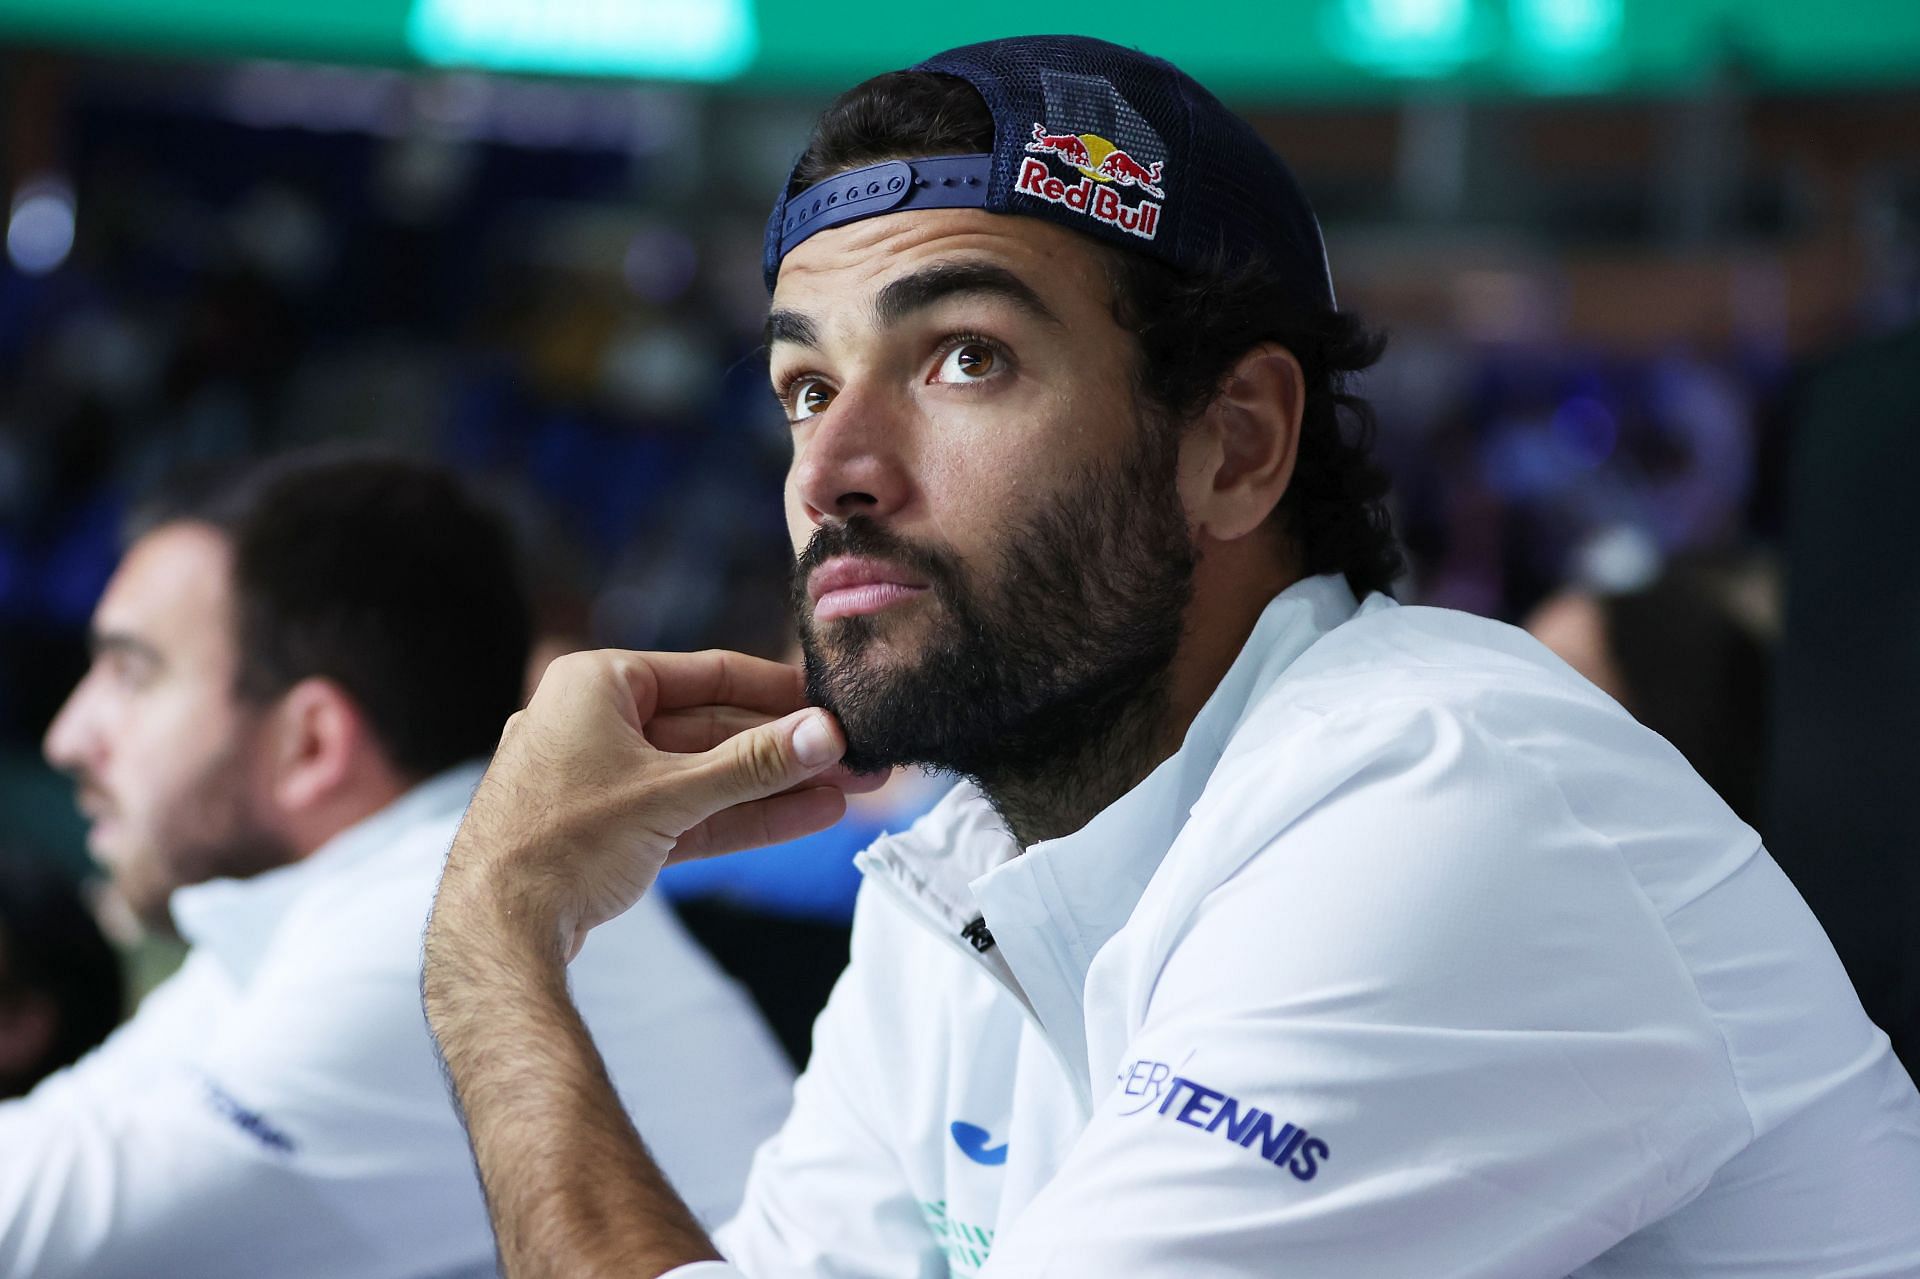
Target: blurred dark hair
382, 574
51, 947
1698, 675
1192, 328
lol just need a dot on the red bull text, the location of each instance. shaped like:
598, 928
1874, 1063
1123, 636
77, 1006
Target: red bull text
1104, 168
1101, 203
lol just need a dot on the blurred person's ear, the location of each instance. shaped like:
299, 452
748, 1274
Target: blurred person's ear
319, 746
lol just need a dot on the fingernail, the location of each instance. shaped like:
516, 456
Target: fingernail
813, 743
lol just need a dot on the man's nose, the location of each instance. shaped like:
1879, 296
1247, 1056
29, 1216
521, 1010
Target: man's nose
851, 462
73, 739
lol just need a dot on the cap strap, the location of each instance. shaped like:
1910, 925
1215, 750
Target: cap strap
943, 182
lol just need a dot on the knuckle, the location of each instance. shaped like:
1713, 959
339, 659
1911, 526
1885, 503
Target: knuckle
762, 760
627, 664
570, 666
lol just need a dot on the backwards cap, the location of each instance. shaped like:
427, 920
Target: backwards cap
1102, 140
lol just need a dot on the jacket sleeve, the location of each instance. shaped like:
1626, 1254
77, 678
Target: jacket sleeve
252, 1153
827, 1198
1432, 1027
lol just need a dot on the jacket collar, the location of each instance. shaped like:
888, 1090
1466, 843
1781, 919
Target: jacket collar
235, 920
1050, 911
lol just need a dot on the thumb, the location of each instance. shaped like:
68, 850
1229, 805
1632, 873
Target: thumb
767, 760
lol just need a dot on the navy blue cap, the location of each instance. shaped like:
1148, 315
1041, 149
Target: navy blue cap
1100, 139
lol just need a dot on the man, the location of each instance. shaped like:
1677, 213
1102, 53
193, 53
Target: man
1281, 929
293, 685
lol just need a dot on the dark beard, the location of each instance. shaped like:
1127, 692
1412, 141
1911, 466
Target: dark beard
211, 831
1047, 681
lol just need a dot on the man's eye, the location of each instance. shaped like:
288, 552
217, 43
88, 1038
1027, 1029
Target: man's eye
808, 397
968, 362
123, 670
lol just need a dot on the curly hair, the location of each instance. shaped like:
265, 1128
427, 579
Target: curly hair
1191, 328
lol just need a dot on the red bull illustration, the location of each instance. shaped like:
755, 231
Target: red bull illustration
1127, 171
1103, 167
1067, 146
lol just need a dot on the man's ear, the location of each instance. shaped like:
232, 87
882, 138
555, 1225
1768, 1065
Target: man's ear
1237, 460
318, 737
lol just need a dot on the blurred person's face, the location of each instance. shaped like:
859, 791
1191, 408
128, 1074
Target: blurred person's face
1575, 628
164, 754
991, 547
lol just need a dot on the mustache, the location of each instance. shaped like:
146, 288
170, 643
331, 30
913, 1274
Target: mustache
88, 795
861, 535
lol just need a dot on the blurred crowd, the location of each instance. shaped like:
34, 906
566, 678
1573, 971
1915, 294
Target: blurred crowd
557, 293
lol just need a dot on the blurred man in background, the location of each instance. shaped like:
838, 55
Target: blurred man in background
296, 679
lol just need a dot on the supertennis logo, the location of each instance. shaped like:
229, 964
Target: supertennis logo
1104, 169
1186, 1101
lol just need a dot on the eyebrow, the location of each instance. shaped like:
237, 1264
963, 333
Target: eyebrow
100, 643
791, 326
916, 292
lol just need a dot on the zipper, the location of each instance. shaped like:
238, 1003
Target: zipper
965, 943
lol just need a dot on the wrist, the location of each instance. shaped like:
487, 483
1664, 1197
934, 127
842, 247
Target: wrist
481, 936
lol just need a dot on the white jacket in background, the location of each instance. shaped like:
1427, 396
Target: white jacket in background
275, 1108
1420, 958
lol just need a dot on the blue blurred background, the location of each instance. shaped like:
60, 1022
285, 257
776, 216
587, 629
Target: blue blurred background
1622, 247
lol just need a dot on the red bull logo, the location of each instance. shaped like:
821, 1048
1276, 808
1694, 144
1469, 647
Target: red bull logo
1070, 147
1103, 167
1127, 171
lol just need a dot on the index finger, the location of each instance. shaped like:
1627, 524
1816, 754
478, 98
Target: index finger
717, 677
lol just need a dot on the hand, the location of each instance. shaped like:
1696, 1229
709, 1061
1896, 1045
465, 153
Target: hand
624, 760
621, 761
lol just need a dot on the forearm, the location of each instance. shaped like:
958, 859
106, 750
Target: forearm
578, 811
570, 1187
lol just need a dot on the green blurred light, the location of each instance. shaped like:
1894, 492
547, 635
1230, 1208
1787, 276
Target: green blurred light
1253, 51
1567, 46
1567, 28
665, 39
1414, 38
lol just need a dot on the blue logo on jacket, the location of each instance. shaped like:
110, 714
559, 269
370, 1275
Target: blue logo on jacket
1184, 1101
972, 1140
251, 1122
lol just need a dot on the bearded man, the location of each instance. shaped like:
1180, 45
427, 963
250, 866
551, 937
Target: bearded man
1278, 928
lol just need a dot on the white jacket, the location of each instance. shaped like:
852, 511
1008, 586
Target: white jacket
1420, 958
275, 1108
